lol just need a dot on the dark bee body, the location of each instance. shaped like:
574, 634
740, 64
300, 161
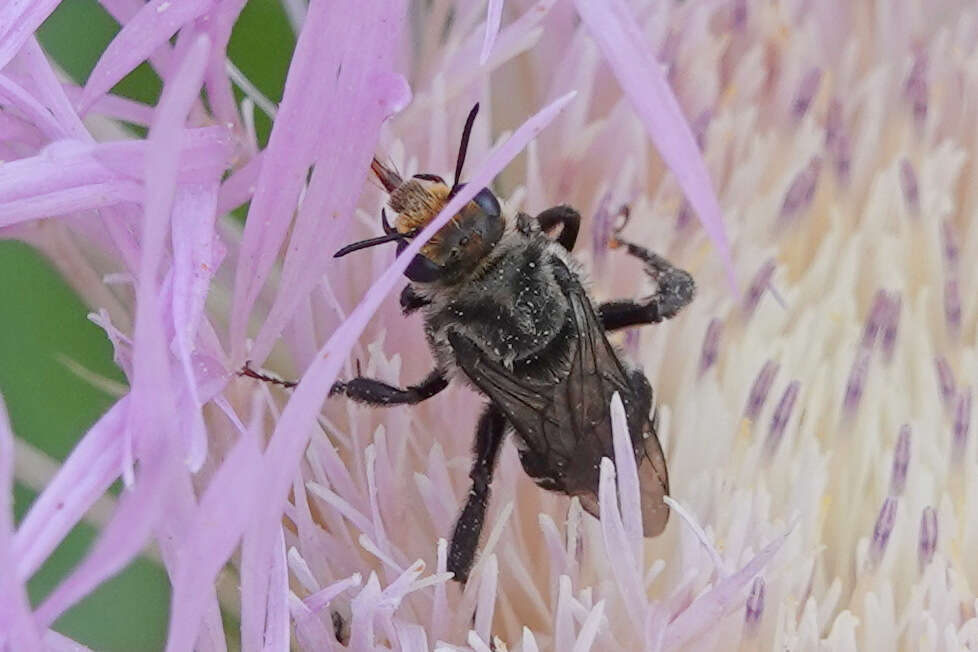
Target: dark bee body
524, 332
505, 310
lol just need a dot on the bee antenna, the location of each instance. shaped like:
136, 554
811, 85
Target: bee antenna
369, 242
388, 229
464, 146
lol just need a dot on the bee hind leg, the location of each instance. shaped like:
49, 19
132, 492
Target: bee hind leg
465, 537
565, 215
676, 289
375, 392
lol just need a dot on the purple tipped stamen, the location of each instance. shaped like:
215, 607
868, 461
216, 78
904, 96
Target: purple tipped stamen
879, 312
758, 284
856, 382
779, 421
700, 126
891, 326
883, 529
927, 543
754, 609
901, 460
759, 390
950, 238
952, 304
738, 14
945, 379
837, 140
685, 216
806, 92
908, 181
962, 424
802, 189
711, 342
916, 87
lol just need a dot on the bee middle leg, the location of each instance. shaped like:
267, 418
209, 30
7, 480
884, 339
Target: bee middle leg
566, 216
465, 538
676, 289
375, 392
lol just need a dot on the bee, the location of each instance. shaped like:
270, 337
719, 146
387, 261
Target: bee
505, 310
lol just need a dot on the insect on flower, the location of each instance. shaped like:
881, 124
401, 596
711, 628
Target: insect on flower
505, 310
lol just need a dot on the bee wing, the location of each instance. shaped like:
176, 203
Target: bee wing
564, 419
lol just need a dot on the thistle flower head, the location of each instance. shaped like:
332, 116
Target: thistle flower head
834, 306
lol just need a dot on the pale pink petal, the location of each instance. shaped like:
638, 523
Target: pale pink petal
289, 154
47, 88
18, 22
342, 164
153, 412
494, 16
589, 630
121, 540
195, 260
323, 597
627, 575
17, 628
616, 31
70, 200
728, 593
155, 23
114, 106
486, 605
87, 473
239, 187
55, 642
698, 532
277, 620
629, 493
19, 99
221, 516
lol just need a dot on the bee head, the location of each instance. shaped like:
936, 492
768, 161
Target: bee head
459, 246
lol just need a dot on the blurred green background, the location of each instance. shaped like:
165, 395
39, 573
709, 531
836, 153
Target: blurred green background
49, 406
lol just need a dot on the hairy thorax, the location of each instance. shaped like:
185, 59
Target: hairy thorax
512, 307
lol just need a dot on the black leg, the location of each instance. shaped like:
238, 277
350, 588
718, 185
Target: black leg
375, 392
410, 301
369, 390
676, 289
568, 217
465, 539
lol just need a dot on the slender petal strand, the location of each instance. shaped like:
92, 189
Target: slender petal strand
360, 58
155, 23
494, 16
17, 628
614, 28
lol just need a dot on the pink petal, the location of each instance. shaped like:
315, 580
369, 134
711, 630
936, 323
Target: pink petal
707, 609
19, 99
494, 16
153, 403
341, 168
291, 151
627, 575
18, 22
87, 473
223, 513
613, 26
277, 619
629, 494
17, 628
240, 186
195, 260
55, 642
121, 540
147, 30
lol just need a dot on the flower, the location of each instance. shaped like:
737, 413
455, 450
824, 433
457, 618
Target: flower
817, 438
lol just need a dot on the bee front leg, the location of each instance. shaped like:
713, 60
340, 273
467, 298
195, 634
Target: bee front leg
465, 538
568, 217
676, 289
410, 301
